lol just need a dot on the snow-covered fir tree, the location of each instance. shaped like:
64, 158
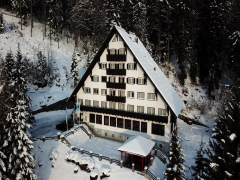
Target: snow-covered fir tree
74, 69
224, 147
16, 147
88, 62
41, 67
9, 65
175, 168
201, 164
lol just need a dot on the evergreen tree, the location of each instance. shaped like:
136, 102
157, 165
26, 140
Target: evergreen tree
201, 164
175, 168
193, 70
9, 65
1, 23
113, 11
17, 145
41, 67
88, 62
224, 146
74, 69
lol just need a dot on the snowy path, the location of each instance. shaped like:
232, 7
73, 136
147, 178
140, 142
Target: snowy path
158, 168
46, 123
96, 145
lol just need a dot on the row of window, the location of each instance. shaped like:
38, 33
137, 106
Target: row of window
130, 66
126, 124
121, 106
112, 79
121, 93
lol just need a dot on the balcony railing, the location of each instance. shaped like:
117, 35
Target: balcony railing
116, 98
162, 119
116, 85
116, 57
116, 72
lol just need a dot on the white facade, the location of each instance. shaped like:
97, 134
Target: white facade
116, 133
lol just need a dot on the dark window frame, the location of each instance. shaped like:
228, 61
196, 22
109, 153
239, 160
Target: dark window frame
144, 127
92, 118
106, 120
98, 119
104, 79
120, 122
113, 122
158, 129
136, 125
126, 126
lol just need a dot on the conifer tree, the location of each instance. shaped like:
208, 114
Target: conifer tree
175, 168
74, 69
9, 65
193, 70
224, 151
201, 164
19, 162
88, 62
1, 23
41, 67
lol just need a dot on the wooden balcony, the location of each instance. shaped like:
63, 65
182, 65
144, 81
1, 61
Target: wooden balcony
116, 57
116, 85
116, 72
116, 99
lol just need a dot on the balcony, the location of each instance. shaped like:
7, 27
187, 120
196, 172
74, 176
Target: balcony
116, 85
116, 99
116, 72
116, 57
127, 114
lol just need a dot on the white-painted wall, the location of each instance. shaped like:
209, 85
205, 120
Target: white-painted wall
149, 88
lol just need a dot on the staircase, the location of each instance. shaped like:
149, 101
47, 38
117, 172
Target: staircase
161, 156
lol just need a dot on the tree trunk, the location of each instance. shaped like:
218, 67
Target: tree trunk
76, 36
58, 36
67, 31
168, 43
45, 18
31, 17
21, 12
50, 34
159, 45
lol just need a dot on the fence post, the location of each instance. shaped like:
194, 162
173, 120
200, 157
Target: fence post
158, 178
90, 153
155, 152
151, 161
121, 163
43, 138
81, 150
145, 171
133, 167
62, 138
58, 135
100, 157
72, 148
72, 131
110, 160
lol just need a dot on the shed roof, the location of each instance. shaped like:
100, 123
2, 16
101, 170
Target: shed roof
137, 145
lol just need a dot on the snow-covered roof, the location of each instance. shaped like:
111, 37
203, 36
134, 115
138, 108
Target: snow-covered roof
152, 70
137, 145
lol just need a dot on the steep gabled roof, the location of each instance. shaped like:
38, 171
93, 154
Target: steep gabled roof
147, 63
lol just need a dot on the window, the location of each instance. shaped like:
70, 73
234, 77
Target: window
140, 95
113, 121
121, 66
158, 129
119, 122
80, 101
92, 118
112, 92
103, 92
162, 112
112, 79
131, 80
121, 79
112, 51
120, 39
121, 93
112, 66
130, 94
106, 120
95, 103
104, 78
151, 110
136, 126
121, 106
104, 104
128, 124
151, 96
95, 91
112, 105
144, 127
140, 81
130, 66
121, 51
130, 108
87, 90
140, 109
88, 102
104, 65
114, 39
99, 119
95, 79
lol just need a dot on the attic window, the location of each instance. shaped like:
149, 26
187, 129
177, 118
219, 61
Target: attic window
121, 51
112, 51
114, 39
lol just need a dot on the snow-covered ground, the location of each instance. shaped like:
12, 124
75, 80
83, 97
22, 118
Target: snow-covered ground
96, 145
158, 168
46, 123
64, 170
